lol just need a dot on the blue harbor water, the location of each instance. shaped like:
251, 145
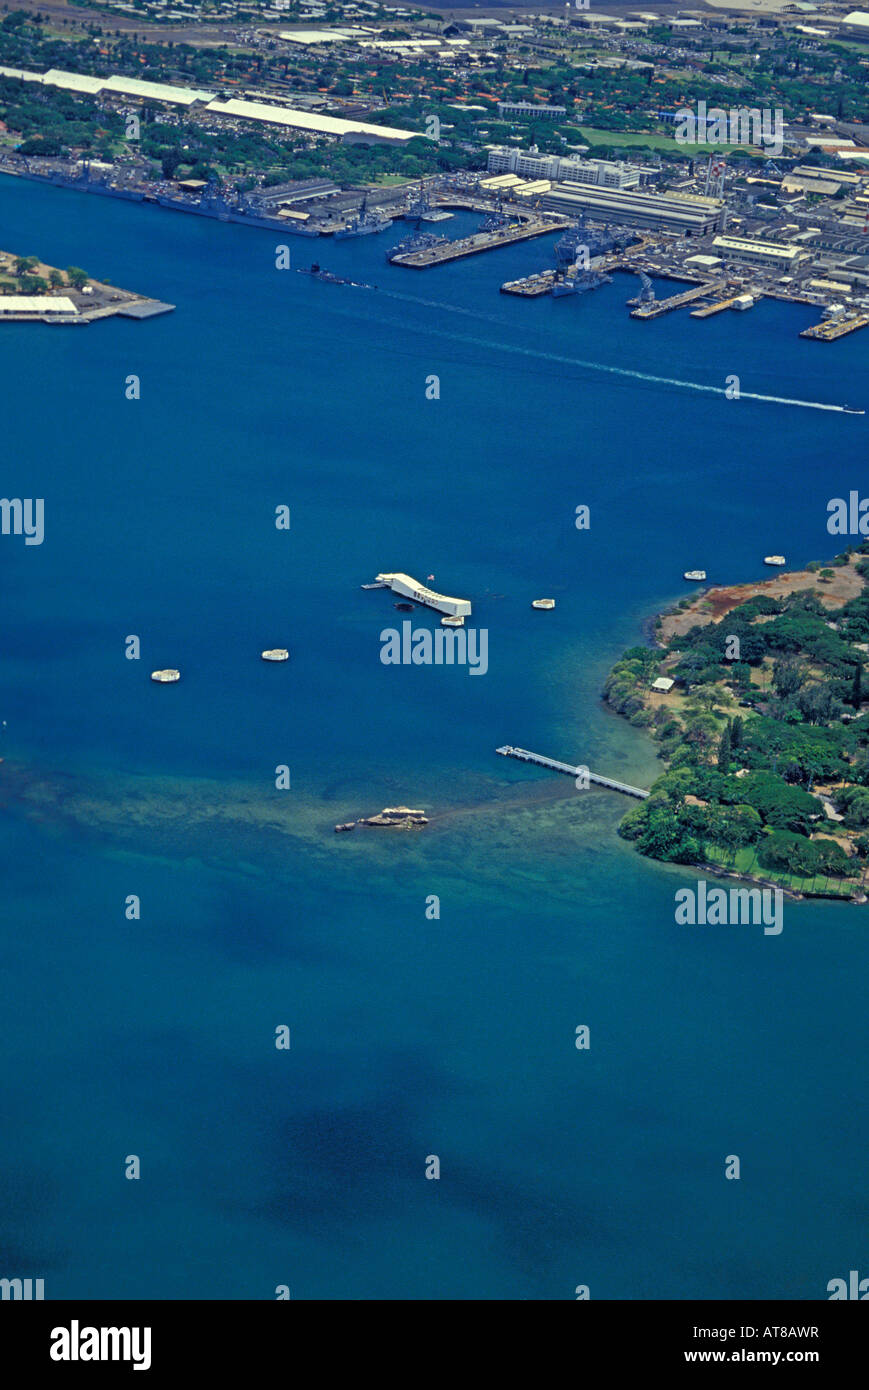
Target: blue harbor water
411, 1037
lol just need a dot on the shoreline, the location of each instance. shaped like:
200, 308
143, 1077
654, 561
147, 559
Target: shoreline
829, 587
84, 300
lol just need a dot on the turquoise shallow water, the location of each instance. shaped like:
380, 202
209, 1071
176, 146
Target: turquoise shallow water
410, 1037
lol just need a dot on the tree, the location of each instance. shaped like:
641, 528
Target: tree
855, 697
787, 676
736, 731
56, 279
77, 277
24, 264
724, 750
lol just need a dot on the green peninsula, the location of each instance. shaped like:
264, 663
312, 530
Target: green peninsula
758, 697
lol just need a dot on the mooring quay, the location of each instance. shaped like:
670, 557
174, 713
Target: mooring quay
481, 241
525, 757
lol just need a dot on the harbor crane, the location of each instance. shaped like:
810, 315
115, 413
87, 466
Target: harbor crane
646, 295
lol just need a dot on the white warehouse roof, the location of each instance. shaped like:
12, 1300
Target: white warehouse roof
234, 106
157, 91
74, 81
21, 74
35, 304
305, 120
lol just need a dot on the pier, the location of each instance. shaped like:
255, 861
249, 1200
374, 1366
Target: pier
830, 329
530, 285
717, 307
480, 241
524, 756
657, 307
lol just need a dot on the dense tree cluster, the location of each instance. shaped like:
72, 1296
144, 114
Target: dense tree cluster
752, 737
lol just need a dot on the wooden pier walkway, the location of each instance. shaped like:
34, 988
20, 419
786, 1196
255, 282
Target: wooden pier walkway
524, 756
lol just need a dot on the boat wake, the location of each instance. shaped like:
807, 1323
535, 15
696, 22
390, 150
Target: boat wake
628, 372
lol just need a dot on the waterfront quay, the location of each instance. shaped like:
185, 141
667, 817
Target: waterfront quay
480, 241
833, 328
72, 300
531, 285
657, 307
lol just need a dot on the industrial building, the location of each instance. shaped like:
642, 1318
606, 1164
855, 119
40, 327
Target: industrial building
766, 255
856, 24
309, 121
297, 191
37, 306
688, 214
526, 111
530, 164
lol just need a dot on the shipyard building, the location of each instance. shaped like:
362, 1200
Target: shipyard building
530, 164
683, 213
766, 255
525, 111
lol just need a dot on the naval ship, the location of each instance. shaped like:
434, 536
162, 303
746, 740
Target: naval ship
364, 224
420, 241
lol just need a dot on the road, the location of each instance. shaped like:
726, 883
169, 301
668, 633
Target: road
79, 18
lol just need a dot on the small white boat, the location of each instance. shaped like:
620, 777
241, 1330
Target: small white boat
543, 603
774, 560
694, 574
275, 654
450, 621
166, 677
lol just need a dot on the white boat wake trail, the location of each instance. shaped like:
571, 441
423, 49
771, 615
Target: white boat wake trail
592, 366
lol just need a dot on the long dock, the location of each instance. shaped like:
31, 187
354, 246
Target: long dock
524, 756
665, 306
480, 241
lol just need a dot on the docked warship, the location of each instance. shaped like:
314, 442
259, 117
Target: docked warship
570, 277
216, 202
364, 224
419, 241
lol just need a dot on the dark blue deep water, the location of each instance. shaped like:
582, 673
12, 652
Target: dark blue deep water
410, 1037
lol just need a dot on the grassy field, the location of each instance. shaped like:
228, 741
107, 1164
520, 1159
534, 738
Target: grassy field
592, 136
745, 862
